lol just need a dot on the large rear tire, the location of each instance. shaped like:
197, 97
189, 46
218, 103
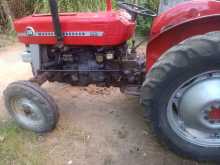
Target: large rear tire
182, 93
31, 107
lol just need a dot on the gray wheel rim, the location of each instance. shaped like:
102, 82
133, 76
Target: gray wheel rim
193, 110
26, 112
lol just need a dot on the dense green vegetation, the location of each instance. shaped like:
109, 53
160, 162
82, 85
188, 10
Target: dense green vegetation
10, 9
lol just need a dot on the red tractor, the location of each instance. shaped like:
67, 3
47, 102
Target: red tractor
178, 81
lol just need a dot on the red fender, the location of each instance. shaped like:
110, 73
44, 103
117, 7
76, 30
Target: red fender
179, 23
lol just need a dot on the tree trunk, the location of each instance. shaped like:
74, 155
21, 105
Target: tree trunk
7, 11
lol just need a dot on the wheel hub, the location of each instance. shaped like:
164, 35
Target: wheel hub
194, 110
199, 103
26, 111
214, 115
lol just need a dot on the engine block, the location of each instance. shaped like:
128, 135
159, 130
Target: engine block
103, 66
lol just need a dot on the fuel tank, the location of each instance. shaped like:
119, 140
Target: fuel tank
95, 29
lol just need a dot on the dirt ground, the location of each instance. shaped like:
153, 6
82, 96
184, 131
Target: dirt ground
96, 127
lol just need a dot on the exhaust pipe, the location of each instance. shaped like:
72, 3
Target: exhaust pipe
56, 21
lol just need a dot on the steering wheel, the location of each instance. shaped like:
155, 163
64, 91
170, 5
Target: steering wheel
136, 10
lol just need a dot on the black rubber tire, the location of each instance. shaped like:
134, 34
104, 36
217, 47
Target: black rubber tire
191, 57
48, 107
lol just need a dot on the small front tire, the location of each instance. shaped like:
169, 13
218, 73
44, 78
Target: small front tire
31, 107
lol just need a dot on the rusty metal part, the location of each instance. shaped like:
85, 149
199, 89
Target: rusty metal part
41, 78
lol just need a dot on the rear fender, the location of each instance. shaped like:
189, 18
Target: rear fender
166, 40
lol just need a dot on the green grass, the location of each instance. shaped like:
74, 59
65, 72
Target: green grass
18, 147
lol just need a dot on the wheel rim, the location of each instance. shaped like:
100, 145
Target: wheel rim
26, 112
193, 110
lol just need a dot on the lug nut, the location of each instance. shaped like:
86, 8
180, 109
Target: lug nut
212, 121
206, 117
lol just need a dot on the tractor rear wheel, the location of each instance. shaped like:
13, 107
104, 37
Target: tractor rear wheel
31, 107
182, 93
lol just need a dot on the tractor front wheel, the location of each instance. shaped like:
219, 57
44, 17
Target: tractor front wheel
182, 93
31, 107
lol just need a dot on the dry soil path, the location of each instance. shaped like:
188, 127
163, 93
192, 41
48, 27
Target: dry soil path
97, 126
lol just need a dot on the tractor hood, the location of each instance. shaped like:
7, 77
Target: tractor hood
95, 29
184, 12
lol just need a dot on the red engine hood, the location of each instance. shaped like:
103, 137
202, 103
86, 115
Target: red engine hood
98, 29
183, 12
